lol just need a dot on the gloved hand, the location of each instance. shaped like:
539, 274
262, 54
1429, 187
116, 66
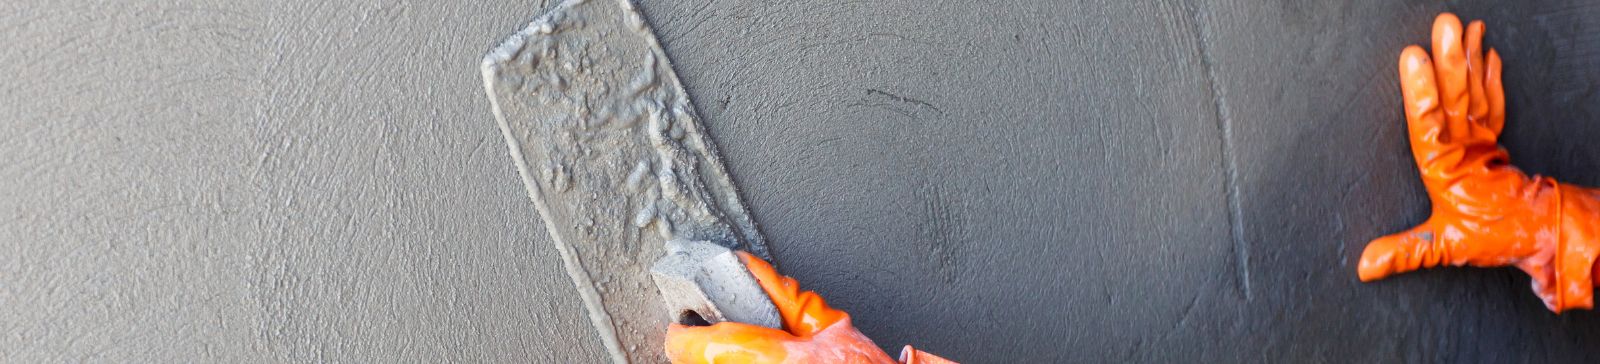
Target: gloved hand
1486, 213
814, 332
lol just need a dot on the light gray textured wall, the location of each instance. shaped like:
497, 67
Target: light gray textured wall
242, 181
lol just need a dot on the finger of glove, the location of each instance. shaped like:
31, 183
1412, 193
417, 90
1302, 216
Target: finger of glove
804, 312
1450, 71
1478, 101
726, 342
1403, 252
910, 355
1495, 93
1430, 144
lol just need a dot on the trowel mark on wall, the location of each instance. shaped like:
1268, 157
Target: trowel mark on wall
945, 229
893, 97
1230, 188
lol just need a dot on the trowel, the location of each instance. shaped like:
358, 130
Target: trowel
630, 188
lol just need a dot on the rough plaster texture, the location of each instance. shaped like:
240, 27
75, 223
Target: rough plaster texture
1074, 181
614, 158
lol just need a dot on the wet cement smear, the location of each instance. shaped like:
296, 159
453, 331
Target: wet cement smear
612, 154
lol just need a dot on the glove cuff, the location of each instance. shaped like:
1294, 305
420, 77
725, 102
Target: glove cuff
1578, 246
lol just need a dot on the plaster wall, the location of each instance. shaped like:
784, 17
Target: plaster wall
1027, 181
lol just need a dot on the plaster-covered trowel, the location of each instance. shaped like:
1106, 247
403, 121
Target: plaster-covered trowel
613, 156
705, 283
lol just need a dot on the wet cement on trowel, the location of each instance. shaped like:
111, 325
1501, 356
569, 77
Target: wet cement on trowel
611, 152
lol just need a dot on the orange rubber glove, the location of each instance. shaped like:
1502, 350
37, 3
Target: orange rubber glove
1486, 213
814, 332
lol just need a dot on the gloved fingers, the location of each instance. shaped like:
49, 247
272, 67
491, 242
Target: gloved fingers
1403, 252
1495, 93
1478, 101
1424, 120
804, 312
1450, 71
909, 355
726, 342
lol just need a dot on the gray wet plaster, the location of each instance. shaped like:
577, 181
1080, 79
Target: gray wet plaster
995, 183
1042, 178
612, 154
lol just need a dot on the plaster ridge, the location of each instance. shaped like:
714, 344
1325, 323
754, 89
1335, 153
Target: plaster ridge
1241, 248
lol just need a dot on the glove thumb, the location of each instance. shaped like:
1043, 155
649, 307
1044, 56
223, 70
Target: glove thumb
1403, 252
727, 342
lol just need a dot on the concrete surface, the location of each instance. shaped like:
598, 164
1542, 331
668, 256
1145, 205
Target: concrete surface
1085, 181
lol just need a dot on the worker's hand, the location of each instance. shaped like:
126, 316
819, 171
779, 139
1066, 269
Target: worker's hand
1486, 213
813, 332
